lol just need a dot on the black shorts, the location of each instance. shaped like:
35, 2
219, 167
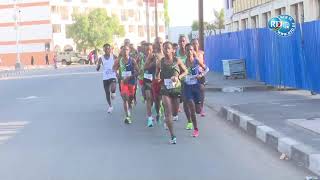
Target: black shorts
107, 83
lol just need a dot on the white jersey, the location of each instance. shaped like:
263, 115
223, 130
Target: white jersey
108, 72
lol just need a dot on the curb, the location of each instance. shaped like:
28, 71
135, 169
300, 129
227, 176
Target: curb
301, 154
239, 89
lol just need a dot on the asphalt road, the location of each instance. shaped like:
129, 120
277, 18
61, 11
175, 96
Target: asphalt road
56, 128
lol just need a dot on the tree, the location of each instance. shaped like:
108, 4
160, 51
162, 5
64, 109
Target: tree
219, 19
208, 27
94, 29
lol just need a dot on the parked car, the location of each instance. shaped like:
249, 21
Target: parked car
68, 57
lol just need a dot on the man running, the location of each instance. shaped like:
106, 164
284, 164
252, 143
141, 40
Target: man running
182, 54
200, 56
156, 86
191, 87
109, 76
169, 71
149, 76
127, 71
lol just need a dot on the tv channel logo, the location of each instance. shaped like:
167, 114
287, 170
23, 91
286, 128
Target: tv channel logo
283, 25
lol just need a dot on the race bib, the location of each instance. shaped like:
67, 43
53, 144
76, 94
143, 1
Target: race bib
126, 74
148, 76
191, 79
109, 73
169, 83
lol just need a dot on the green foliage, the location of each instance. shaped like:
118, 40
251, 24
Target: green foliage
94, 29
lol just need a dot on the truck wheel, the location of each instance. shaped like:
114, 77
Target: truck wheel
81, 61
64, 62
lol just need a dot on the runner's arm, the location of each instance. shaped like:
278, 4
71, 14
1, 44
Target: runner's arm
205, 68
136, 68
115, 67
183, 69
158, 70
99, 64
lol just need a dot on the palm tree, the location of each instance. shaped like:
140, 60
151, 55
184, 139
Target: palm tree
219, 20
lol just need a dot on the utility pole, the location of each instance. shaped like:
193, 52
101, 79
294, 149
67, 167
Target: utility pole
148, 24
201, 29
17, 24
156, 17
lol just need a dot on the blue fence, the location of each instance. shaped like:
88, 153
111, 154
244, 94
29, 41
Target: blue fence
290, 61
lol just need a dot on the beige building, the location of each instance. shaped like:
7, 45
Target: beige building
249, 14
37, 27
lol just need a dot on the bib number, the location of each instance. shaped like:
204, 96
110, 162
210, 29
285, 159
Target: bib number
126, 74
191, 79
148, 76
169, 83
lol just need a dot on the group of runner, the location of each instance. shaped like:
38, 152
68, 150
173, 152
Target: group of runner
166, 74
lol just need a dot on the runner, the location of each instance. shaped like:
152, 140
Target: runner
168, 72
141, 61
158, 52
182, 54
127, 71
109, 76
200, 55
149, 76
191, 87
175, 48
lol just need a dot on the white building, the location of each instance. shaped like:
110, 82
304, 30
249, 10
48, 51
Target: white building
43, 24
248, 14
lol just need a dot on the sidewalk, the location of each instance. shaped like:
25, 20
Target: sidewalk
217, 82
7, 72
287, 121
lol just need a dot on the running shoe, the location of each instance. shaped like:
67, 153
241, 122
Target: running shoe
175, 118
173, 140
127, 120
113, 96
203, 114
150, 122
189, 126
195, 133
110, 109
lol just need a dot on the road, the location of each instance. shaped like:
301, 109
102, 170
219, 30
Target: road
56, 128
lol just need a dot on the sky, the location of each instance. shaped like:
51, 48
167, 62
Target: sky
186, 17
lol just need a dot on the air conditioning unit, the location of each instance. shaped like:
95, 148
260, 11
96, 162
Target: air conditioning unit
234, 68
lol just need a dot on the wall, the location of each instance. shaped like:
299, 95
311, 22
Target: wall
292, 61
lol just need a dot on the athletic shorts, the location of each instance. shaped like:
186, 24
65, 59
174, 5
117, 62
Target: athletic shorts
156, 87
107, 83
128, 89
192, 93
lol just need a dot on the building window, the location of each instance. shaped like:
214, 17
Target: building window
236, 25
255, 21
106, 1
84, 1
161, 29
67, 0
54, 9
131, 29
140, 3
131, 12
265, 18
120, 2
124, 15
64, 13
141, 31
56, 28
283, 11
297, 12
244, 24
277, 12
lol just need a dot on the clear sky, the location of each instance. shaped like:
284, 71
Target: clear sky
183, 12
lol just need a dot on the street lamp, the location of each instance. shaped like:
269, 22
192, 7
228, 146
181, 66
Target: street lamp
17, 19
